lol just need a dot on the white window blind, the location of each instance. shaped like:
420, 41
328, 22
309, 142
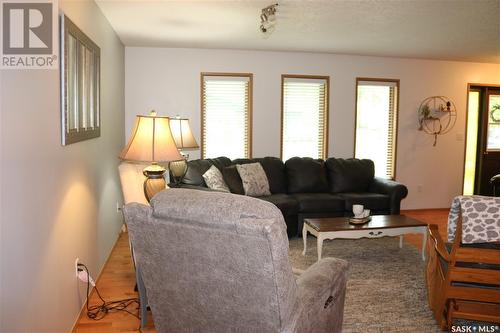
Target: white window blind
376, 124
226, 109
305, 117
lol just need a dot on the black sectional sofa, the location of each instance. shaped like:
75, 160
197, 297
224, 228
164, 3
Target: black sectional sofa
306, 187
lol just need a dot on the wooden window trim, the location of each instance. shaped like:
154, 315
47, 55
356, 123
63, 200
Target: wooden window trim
396, 129
250, 108
327, 109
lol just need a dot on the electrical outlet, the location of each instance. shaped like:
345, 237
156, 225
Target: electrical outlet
77, 261
84, 276
118, 207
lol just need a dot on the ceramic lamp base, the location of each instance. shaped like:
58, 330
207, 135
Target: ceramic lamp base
155, 180
178, 170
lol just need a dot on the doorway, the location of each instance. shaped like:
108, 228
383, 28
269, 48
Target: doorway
482, 148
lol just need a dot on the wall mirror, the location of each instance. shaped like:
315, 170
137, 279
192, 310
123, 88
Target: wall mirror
80, 84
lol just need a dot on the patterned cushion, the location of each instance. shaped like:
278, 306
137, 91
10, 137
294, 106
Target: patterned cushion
254, 179
214, 180
480, 219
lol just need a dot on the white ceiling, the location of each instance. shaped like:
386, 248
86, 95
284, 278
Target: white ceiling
465, 30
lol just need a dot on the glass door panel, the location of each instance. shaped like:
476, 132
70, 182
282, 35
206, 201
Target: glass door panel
493, 130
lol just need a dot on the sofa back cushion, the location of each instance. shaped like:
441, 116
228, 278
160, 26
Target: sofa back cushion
274, 169
233, 179
349, 175
306, 175
196, 169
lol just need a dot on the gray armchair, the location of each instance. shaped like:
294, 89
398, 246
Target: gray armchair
218, 262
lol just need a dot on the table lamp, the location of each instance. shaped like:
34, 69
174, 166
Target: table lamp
152, 141
184, 140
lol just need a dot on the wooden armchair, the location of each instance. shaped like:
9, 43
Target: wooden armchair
463, 280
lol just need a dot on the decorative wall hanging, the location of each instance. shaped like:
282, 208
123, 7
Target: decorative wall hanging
80, 85
437, 116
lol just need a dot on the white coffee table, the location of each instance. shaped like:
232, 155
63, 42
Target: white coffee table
379, 226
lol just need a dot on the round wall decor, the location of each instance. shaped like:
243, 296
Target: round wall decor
437, 116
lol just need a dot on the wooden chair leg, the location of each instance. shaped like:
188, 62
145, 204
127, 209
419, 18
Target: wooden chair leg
452, 306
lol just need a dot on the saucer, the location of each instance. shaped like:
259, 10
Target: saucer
360, 220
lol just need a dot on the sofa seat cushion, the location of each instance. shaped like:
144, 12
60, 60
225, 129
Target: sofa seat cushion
373, 201
286, 203
319, 202
306, 175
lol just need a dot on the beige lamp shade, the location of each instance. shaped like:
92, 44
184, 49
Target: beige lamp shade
182, 133
151, 141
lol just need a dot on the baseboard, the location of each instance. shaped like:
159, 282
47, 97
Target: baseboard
422, 210
91, 293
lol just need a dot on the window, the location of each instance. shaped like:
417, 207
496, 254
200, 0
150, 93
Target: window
226, 108
376, 123
304, 118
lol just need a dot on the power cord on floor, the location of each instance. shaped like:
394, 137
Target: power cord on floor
97, 312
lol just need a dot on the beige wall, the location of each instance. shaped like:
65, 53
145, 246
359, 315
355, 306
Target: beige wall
57, 203
168, 80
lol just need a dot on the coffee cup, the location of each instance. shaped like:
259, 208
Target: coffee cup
357, 210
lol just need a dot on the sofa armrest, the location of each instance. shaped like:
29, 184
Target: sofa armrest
325, 278
495, 180
394, 190
321, 291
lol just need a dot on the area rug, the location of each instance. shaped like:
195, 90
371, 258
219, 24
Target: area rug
386, 287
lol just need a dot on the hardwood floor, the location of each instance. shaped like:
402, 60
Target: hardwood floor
430, 216
117, 280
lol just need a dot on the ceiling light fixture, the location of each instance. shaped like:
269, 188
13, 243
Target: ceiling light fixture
268, 19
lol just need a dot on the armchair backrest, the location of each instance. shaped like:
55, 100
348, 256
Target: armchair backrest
214, 262
479, 217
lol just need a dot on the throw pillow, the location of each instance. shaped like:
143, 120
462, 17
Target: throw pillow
254, 179
214, 180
